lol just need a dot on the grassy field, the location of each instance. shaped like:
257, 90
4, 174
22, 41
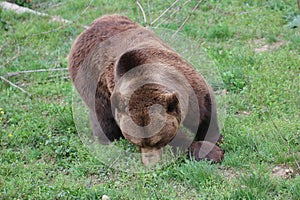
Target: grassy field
256, 48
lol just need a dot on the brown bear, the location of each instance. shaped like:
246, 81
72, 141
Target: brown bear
136, 87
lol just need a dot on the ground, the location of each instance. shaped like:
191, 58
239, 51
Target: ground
255, 46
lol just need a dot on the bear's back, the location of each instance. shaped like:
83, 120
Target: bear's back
100, 30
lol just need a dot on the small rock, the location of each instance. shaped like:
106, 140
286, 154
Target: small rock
105, 197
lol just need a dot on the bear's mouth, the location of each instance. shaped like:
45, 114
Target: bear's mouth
156, 141
151, 148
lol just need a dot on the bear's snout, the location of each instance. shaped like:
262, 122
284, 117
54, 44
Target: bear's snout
151, 156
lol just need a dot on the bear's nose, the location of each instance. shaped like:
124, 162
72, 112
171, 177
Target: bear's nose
151, 156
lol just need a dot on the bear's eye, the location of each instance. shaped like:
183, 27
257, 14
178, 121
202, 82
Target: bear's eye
171, 108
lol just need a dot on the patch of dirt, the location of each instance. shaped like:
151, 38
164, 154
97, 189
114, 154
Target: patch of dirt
283, 171
95, 180
228, 173
266, 47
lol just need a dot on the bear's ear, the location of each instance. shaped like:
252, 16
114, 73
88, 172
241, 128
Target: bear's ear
172, 101
128, 61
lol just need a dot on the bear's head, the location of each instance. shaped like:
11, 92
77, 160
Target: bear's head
149, 118
145, 103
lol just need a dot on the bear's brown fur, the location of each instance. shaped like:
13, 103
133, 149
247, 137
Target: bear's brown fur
102, 55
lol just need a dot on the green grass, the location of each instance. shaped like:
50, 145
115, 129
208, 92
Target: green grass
42, 156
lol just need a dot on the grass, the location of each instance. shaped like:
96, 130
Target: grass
42, 156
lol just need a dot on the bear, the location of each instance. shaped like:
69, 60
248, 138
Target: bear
138, 88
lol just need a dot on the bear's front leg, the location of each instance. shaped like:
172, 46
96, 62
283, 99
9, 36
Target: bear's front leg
97, 130
105, 129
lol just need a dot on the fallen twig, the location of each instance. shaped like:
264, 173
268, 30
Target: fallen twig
174, 12
284, 140
187, 18
20, 9
4, 45
149, 11
14, 85
114, 162
63, 76
233, 13
86, 8
12, 58
142, 10
165, 11
34, 71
